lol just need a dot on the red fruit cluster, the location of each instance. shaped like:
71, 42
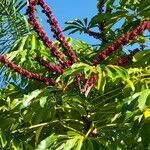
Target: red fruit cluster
121, 42
26, 73
48, 65
54, 28
57, 31
88, 85
90, 82
40, 31
125, 59
58, 34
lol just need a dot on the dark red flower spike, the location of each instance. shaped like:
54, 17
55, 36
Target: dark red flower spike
25, 72
121, 42
125, 59
38, 28
48, 65
67, 63
57, 31
116, 45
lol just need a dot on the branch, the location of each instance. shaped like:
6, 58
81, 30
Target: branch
70, 128
102, 29
45, 124
100, 5
92, 33
90, 130
26, 73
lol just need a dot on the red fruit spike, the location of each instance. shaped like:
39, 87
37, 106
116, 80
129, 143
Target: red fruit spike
122, 41
24, 72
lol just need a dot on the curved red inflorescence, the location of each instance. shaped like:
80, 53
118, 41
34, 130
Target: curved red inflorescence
48, 65
121, 42
125, 59
40, 31
54, 28
58, 34
25, 72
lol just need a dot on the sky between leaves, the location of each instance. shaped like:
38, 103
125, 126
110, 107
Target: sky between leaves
65, 10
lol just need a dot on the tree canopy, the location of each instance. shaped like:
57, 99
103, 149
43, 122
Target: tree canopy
67, 94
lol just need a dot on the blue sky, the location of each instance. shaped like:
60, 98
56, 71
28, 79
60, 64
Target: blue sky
65, 10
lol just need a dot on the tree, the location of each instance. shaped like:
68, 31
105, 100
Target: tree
79, 96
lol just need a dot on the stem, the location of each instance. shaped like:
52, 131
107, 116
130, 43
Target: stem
102, 23
90, 130
100, 5
44, 124
112, 125
107, 99
92, 33
35, 126
70, 128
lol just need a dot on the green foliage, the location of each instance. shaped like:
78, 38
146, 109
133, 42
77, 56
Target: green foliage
13, 25
114, 115
79, 26
47, 115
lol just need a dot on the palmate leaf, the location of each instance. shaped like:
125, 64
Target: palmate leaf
111, 18
143, 99
28, 47
135, 5
67, 142
13, 24
23, 54
28, 98
48, 142
141, 59
101, 111
84, 51
79, 25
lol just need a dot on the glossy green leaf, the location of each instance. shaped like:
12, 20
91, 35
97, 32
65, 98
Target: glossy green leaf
47, 142
143, 98
28, 98
3, 140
